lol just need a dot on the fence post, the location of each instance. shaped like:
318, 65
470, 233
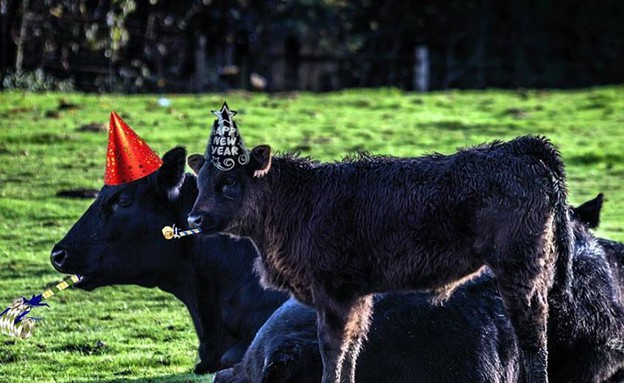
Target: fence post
19, 56
421, 68
201, 70
3, 37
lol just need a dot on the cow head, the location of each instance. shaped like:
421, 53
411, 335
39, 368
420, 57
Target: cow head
118, 239
227, 197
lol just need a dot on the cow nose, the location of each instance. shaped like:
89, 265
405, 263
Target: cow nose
194, 220
58, 257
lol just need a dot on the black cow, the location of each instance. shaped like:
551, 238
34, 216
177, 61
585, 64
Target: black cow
615, 257
614, 250
118, 240
469, 338
333, 234
410, 340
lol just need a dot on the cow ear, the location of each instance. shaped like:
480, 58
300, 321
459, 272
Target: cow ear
196, 161
589, 212
171, 173
260, 160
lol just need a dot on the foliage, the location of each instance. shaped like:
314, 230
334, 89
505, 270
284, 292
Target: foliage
132, 334
119, 35
36, 81
139, 46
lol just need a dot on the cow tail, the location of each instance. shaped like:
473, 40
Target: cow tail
563, 236
543, 149
563, 243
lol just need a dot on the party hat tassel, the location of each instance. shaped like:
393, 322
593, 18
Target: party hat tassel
170, 232
14, 320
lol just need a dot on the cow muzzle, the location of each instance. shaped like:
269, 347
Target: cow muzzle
195, 221
59, 257
203, 221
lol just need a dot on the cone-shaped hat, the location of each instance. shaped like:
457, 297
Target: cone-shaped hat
226, 149
128, 157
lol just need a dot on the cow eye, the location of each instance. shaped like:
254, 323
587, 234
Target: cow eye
230, 188
124, 201
226, 183
229, 182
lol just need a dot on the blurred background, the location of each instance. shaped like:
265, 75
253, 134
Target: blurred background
188, 46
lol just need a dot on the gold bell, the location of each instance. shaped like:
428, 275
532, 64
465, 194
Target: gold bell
167, 232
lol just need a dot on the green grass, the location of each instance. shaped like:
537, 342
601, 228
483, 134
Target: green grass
132, 334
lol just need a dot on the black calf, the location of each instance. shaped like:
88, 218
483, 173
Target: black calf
333, 234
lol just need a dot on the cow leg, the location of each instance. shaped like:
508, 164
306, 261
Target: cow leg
355, 334
209, 359
342, 326
330, 335
525, 297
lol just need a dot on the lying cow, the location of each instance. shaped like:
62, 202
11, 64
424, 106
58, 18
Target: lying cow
118, 240
615, 256
332, 234
614, 250
469, 338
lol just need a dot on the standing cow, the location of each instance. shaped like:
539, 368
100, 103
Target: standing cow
332, 234
469, 338
118, 240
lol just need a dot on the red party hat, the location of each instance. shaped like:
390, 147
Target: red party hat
128, 157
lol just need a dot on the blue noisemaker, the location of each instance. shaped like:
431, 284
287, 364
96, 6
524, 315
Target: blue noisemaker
14, 320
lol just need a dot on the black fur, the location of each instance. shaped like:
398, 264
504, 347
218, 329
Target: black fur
333, 234
589, 212
118, 240
468, 339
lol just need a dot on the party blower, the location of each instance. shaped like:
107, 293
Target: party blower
14, 320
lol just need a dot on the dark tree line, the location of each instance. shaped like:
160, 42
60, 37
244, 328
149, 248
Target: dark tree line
199, 45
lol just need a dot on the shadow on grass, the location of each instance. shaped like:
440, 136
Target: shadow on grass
179, 378
19, 269
595, 158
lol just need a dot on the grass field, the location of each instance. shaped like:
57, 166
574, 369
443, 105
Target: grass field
132, 334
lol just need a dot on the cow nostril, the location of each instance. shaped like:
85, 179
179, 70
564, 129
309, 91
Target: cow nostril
194, 220
58, 257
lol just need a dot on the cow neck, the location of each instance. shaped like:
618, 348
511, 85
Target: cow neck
183, 277
187, 284
290, 177
186, 281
